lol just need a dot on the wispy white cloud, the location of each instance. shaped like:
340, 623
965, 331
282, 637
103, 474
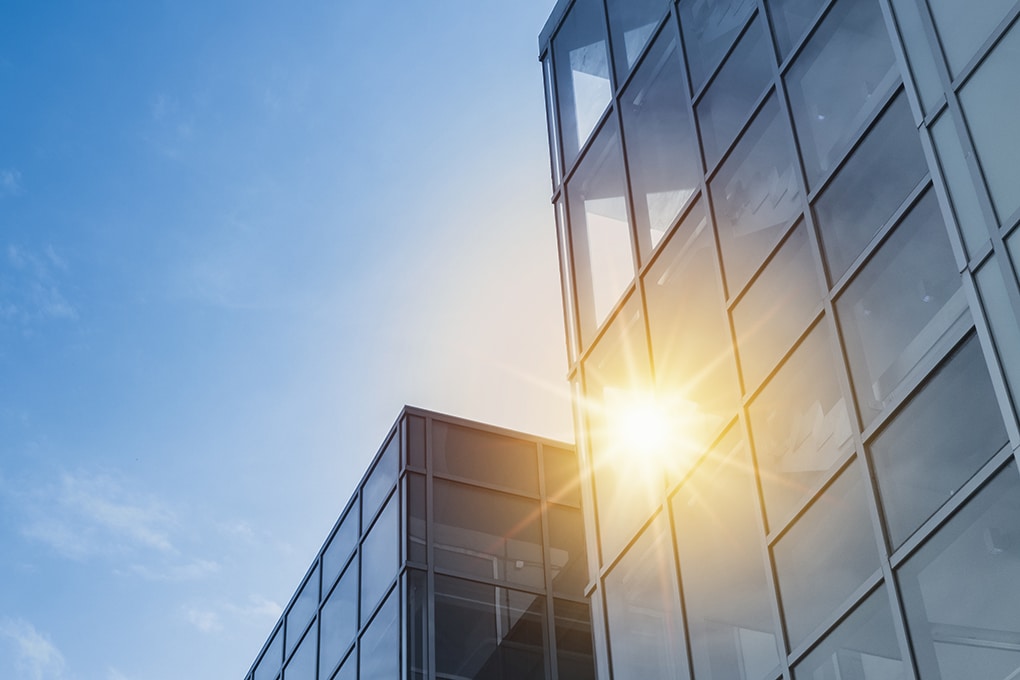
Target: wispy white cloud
10, 182
34, 288
35, 656
187, 571
214, 617
257, 607
115, 674
205, 620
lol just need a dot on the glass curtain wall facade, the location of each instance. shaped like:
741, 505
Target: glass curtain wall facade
460, 556
794, 224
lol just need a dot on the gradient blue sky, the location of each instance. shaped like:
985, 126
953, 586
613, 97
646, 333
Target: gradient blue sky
235, 238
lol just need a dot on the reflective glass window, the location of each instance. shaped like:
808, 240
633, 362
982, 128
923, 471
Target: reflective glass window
902, 301
484, 457
886, 167
566, 281
722, 568
843, 72
414, 429
340, 546
960, 589
632, 23
567, 550
964, 26
561, 476
777, 308
756, 195
728, 101
338, 620
992, 279
415, 527
791, 19
600, 231
555, 161
581, 62
379, 652
826, 555
269, 664
695, 373
301, 665
574, 654
709, 28
920, 56
862, 647
616, 376
801, 426
380, 554
417, 625
349, 671
380, 480
962, 192
302, 609
661, 148
485, 631
643, 610
937, 441
487, 534
990, 100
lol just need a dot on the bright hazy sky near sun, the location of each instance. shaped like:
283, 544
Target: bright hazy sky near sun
235, 238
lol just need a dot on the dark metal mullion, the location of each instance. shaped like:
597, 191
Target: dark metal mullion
798, 45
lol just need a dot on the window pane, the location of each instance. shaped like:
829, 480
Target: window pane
632, 23
719, 540
338, 620
937, 442
710, 27
340, 547
862, 647
964, 25
302, 665
959, 590
415, 429
777, 308
567, 551
694, 368
843, 72
552, 123
574, 654
664, 170
643, 610
756, 195
899, 305
380, 645
801, 426
1002, 316
415, 508
302, 609
269, 664
962, 192
600, 231
417, 625
582, 74
488, 632
380, 554
349, 671
726, 105
380, 480
484, 457
561, 476
487, 534
826, 555
886, 167
791, 19
990, 100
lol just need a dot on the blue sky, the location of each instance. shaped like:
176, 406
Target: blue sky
235, 238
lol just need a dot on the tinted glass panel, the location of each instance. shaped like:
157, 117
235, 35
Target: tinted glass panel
380, 553
380, 481
415, 528
962, 192
632, 23
561, 476
340, 547
791, 19
552, 121
302, 665
826, 555
567, 551
380, 645
899, 305
484, 457
886, 167
959, 591
965, 25
643, 610
600, 231
417, 625
302, 609
843, 72
582, 74
488, 632
695, 372
862, 647
710, 27
942, 437
574, 653
727, 103
664, 170
269, 664
349, 671
990, 100
487, 534
800, 425
415, 442
720, 543
756, 195
338, 620
1002, 314
777, 308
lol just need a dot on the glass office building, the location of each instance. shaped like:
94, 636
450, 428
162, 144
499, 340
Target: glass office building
790, 228
460, 555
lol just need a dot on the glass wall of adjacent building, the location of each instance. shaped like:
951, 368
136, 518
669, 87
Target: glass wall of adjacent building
460, 556
789, 239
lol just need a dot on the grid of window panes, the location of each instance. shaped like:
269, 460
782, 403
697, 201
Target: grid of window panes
795, 222
461, 555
